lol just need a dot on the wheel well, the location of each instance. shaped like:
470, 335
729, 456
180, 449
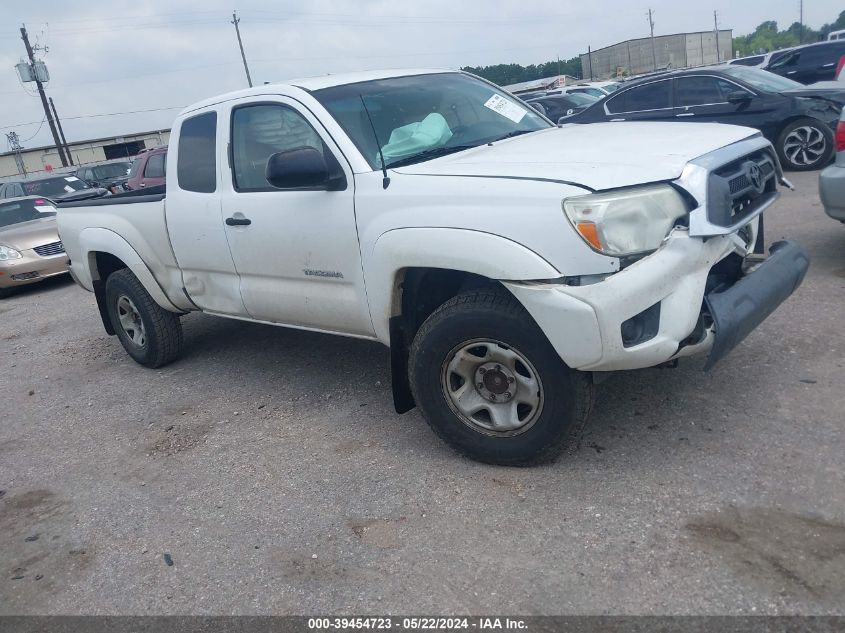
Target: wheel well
103, 265
418, 292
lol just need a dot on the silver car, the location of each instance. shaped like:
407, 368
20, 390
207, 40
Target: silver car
832, 179
30, 249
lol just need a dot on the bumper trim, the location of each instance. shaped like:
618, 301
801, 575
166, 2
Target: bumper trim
745, 305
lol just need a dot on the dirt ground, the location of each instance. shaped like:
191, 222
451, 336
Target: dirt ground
266, 472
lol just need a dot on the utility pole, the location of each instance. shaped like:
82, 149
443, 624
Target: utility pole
235, 21
801, 21
61, 131
31, 55
590, 59
716, 31
653, 53
15, 146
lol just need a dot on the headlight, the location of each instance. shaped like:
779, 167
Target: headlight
7, 252
626, 221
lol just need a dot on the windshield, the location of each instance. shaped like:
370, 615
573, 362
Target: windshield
612, 87
580, 98
112, 170
54, 186
761, 79
24, 211
422, 116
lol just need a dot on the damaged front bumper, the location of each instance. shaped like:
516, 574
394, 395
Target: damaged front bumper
678, 301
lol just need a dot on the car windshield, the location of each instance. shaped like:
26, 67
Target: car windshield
612, 87
580, 99
423, 116
24, 211
112, 170
761, 79
54, 186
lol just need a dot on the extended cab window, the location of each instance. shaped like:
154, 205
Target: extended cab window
155, 166
258, 132
196, 163
654, 96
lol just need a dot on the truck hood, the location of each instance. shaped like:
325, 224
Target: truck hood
596, 156
26, 235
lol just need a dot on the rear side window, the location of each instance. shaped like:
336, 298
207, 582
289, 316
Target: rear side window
653, 96
196, 164
701, 90
155, 166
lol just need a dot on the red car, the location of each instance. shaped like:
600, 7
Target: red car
148, 169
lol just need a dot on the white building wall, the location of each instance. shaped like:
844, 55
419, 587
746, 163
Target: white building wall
83, 153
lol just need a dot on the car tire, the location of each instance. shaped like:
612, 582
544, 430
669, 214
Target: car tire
151, 335
474, 347
805, 144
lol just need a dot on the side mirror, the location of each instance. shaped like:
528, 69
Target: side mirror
738, 96
297, 168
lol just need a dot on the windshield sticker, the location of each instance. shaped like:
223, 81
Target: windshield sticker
69, 189
71, 178
505, 107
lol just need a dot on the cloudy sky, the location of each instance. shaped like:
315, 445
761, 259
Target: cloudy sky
149, 58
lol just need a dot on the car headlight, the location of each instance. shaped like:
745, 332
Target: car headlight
7, 252
626, 221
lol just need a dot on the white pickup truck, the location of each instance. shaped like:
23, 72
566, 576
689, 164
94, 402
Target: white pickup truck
505, 261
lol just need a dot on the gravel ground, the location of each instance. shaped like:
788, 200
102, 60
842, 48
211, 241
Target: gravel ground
266, 472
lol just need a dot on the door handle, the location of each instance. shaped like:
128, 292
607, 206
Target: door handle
238, 221
143, 184
686, 114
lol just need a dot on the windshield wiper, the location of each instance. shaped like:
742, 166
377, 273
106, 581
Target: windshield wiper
434, 152
511, 135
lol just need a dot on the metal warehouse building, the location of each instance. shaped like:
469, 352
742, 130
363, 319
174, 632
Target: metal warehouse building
635, 57
37, 159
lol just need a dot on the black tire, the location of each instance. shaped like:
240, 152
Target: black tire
494, 314
820, 131
162, 330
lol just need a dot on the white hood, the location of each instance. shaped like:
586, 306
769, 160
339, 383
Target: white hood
597, 155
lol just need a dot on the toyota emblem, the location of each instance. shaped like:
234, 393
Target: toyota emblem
755, 176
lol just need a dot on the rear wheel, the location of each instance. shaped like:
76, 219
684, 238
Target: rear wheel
805, 144
150, 334
490, 384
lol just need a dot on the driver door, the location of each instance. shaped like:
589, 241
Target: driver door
295, 250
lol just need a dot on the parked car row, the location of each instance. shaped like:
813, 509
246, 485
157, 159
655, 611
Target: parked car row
807, 64
799, 120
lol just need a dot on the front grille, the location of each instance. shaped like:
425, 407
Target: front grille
45, 250
735, 190
24, 276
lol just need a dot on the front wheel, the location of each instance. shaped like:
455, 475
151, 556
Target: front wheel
490, 384
805, 144
150, 334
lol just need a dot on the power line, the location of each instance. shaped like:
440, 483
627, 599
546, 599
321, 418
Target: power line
94, 116
36, 131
